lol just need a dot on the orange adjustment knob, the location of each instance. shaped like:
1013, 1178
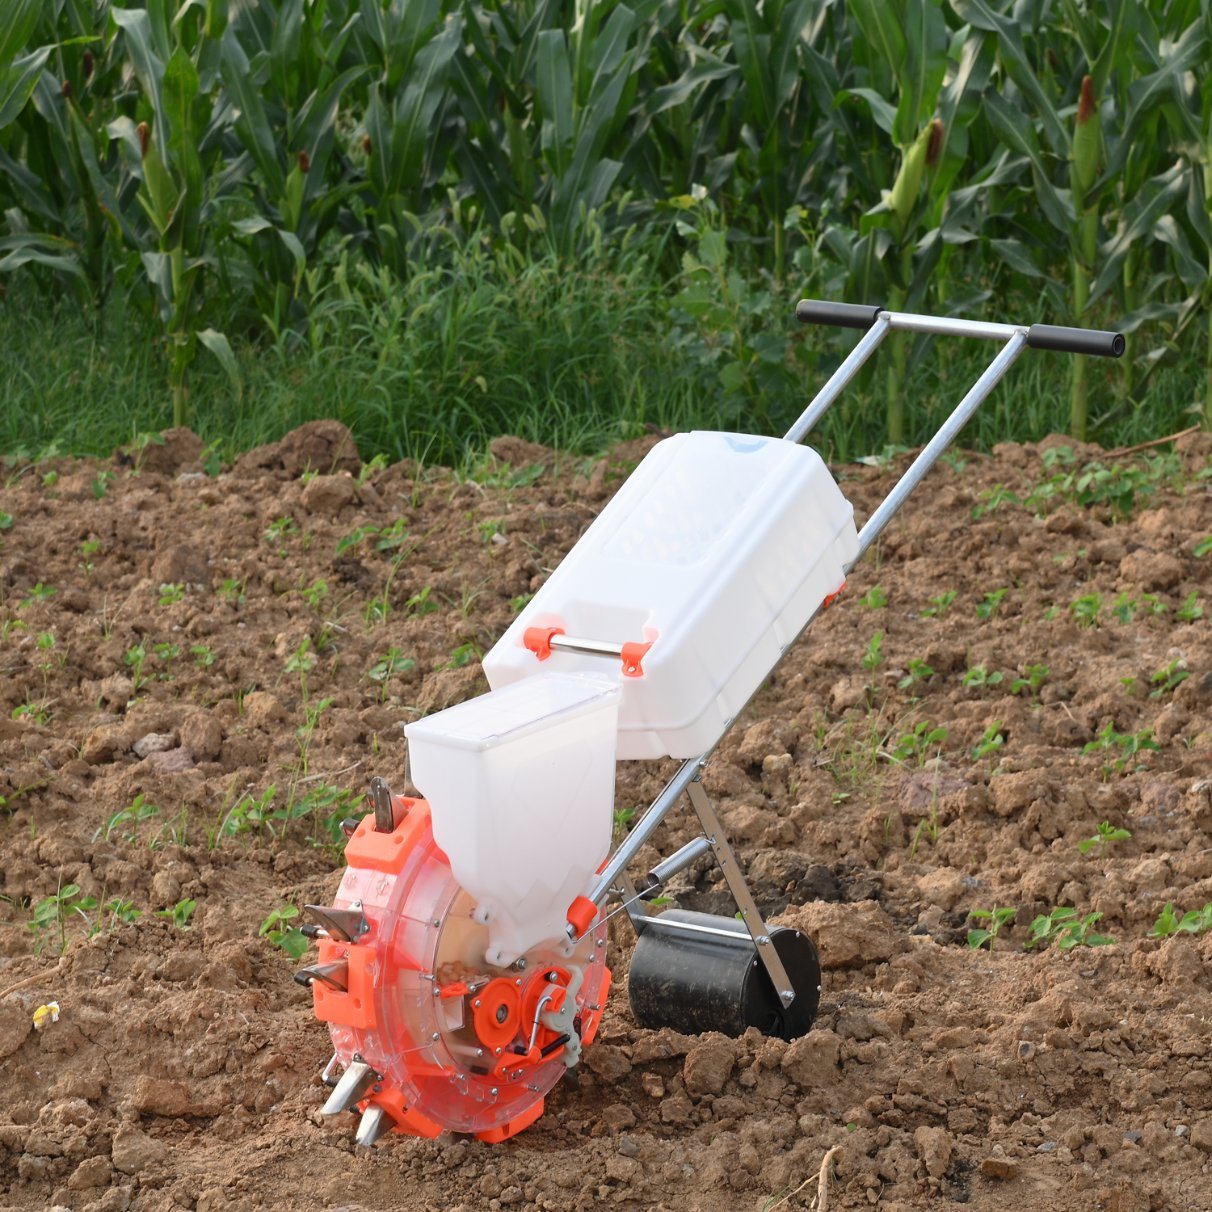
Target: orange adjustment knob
538, 640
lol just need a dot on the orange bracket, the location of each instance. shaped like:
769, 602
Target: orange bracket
538, 640
633, 654
355, 1007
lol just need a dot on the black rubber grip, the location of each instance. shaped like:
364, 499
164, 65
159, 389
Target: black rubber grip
839, 315
1076, 340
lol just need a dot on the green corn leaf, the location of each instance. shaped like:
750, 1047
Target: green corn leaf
138, 34
20, 18
751, 46
18, 81
180, 89
924, 66
1141, 216
1016, 130
35, 248
251, 123
553, 83
218, 345
1018, 66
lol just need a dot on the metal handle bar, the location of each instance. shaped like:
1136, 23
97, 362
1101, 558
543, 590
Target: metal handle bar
1095, 342
877, 323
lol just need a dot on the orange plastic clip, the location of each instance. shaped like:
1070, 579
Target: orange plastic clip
633, 654
581, 913
538, 640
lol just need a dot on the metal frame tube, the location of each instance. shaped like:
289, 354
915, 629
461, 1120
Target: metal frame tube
950, 326
840, 378
644, 828
941, 440
679, 860
567, 643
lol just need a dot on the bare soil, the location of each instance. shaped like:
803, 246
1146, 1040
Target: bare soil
181, 1073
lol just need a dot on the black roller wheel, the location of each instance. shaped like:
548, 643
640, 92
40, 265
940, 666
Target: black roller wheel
696, 982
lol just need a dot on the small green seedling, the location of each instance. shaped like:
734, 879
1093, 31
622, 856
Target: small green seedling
315, 593
1086, 609
1168, 679
984, 936
1196, 921
1190, 610
1202, 548
121, 911
874, 655
171, 594
377, 463
517, 604
939, 606
179, 914
1034, 676
991, 604
917, 671
52, 914
916, 745
1063, 929
302, 662
232, 590
463, 655
992, 499
393, 661
203, 657
6, 520
876, 598
132, 816
135, 657
992, 740
978, 677
355, 538
1107, 833
420, 602
622, 819
39, 593
278, 929
393, 536
1124, 608
280, 528
1129, 744
100, 484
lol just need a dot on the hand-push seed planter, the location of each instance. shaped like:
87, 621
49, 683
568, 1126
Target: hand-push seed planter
462, 967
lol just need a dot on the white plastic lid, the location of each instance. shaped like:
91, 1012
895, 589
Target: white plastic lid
515, 710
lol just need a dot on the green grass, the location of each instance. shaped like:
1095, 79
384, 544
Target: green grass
575, 355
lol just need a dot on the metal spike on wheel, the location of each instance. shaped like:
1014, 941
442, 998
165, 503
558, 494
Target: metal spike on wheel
380, 797
334, 975
345, 925
375, 1122
355, 1082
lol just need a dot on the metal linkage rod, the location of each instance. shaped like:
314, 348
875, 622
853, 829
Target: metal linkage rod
946, 435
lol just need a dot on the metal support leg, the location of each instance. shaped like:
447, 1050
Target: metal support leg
750, 914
